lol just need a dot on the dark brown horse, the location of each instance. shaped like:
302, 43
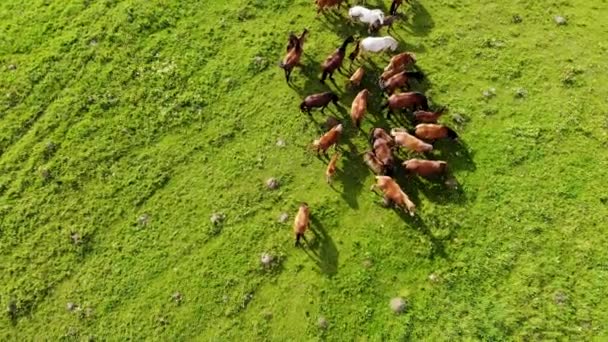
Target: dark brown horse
321, 100
334, 61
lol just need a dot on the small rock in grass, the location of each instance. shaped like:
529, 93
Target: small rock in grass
217, 218
45, 174
559, 20
12, 67
516, 19
76, 238
398, 305
322, 323
163, 321
267, 315
280, 143
459, 119
70, 306
11, 308
521, 93
177, 297
283, 217
272, 183
560, 298
491, 92
434, 278
143, 219
266, 259
93, 42
367, 263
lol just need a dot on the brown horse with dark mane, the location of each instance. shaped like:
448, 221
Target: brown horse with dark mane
334, 61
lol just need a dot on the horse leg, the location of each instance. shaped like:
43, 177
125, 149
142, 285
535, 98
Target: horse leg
287, 73
323, 77
331, 76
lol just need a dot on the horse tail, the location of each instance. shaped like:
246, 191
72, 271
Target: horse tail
393, 9
415, 74
381, 83
451, 133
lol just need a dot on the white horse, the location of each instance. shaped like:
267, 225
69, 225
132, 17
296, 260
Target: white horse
365, 15
378, 44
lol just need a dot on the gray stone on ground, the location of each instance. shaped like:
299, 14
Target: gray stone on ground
322, 323
143, 219
434, 278
272, 183
266, 259
490, 92
280, 143
217, 218
559, 20
177, 297
283, 217
70, 306
521, 93
561, 298
398, 305
459, 119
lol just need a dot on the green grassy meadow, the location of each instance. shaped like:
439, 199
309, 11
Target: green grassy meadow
126, 124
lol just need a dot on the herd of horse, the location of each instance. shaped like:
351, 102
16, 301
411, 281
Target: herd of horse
394, 83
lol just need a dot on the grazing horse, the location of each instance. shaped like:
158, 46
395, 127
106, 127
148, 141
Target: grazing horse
425, 168
410, 100
387, 22
379, 133
379, 44
366, 16
356, 78
301, 222
401, 61
323, 4
318, 100
328, 139
334, 61
373, 163
400, 80
382, 150
395, 5
331, 167
428, 117
432, 132
410, 142
393, 194
292, 59
359, 107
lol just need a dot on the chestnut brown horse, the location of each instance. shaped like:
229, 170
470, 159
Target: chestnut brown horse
295, 48
410, 100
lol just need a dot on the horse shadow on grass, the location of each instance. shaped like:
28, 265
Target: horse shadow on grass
437, 244
421, 23
351, 175
322, 249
